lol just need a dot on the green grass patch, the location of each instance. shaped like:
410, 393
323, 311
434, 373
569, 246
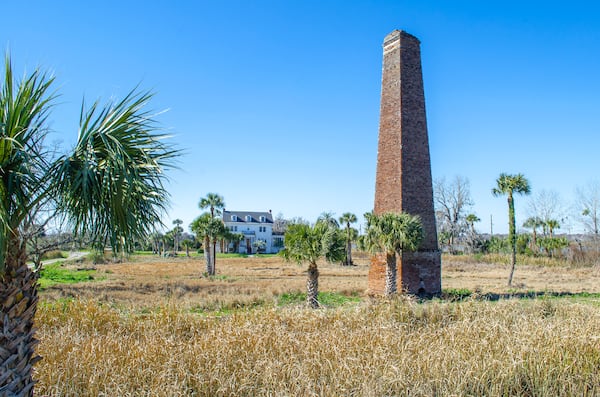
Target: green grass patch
219, 277
328, 299
234, 255
56, 274
456, 294
220, 309
223, 255
592, 298
144, 253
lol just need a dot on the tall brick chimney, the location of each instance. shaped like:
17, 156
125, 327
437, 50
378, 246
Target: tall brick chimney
403, 181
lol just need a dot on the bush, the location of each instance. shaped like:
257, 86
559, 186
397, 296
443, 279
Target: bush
96, 257
54, 254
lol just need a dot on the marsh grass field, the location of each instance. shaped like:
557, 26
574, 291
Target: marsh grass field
156, 327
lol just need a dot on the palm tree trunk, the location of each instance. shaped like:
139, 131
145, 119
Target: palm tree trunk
312, 286
349, 253
207, 255
18, 294
214, 257
391, 283
512, 237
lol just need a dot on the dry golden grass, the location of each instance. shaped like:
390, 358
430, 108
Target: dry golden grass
138, 333
465, 272
149, 281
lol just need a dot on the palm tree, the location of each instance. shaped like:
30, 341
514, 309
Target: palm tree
235, 238
305, 243
215, 203
348, 219
201, 227
508, 185
391, 233
552, 224
187, 243
328, 218
533, 223
471, 219
155, 239
177, 230
109, 188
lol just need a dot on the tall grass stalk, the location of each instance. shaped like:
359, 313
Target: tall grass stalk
397, 347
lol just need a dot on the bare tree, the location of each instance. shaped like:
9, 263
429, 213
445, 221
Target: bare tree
280, 223
452, 201
547, 206
587, 207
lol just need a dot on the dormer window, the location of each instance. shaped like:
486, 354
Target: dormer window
263, 219
248, 218
233, 218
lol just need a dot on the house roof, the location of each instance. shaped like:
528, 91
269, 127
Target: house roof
241, 216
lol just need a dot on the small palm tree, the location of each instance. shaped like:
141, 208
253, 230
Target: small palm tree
391, 233
187, 243
109, 189
552, 225
177, 231
209, 230
215, 203
508, 185
471, 219
348, 219
305, 243
533, 223
236, 238
328, 218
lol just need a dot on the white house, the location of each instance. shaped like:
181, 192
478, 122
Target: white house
254, 226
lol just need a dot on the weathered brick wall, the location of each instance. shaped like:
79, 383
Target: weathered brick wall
403, 181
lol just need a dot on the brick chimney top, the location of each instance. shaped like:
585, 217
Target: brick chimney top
396, 34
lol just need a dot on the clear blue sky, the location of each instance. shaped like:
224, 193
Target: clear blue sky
276, 103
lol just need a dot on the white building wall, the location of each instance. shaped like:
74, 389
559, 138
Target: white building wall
253, 231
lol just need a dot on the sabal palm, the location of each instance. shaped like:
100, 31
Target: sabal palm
213, 202
348, 219
109, 188
305, 243
509, 185
533, 223
391, 233
552, 224
471, 219
178, 230
328, 219
201, 227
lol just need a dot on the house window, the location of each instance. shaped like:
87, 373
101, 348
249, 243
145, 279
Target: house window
233, 218
262, 229
263, 219
248, 218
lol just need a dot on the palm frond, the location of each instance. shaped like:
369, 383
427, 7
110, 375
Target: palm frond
112, 184
24, 181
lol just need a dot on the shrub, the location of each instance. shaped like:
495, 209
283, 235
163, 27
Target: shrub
54, 254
